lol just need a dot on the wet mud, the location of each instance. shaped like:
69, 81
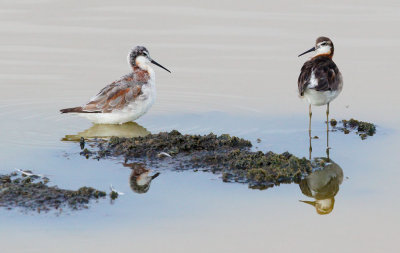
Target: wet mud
32, 193
229, 156
361, 128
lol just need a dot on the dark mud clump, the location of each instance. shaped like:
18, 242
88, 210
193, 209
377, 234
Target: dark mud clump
113, 195
172, 143
226, 155
31, 193
86, 152
363, 129
260, 170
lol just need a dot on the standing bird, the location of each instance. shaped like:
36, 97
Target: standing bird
127, 98
320, 80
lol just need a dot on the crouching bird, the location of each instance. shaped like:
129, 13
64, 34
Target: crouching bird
127, 98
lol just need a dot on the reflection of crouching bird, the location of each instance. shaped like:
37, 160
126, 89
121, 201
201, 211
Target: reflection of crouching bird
322, 185
140, 179
105, 131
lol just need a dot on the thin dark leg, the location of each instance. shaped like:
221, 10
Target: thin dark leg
309, 129
310, 149
327, 131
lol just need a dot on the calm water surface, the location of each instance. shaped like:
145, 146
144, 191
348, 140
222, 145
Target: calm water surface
235, 71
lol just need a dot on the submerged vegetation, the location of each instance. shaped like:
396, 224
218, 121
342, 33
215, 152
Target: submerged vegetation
363, 129
32, 193
226, 155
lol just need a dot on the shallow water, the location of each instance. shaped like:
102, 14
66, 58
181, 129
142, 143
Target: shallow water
234, 70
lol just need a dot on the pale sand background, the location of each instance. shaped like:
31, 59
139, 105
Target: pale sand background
227, 56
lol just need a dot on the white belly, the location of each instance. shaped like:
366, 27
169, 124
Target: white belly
319, 98
131, 112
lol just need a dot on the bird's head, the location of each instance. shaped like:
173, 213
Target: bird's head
323, 46
140, 178
322, 206
140, 57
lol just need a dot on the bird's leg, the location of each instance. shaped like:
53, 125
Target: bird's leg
309, 128
309, 123
327, 131
310, 149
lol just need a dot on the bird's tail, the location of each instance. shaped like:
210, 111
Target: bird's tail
73, 109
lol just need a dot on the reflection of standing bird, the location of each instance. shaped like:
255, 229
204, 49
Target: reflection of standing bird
320, 80
323, 185
140, 179
127, 98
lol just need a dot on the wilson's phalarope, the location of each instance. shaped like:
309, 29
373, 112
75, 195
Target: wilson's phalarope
127, 98
320, 80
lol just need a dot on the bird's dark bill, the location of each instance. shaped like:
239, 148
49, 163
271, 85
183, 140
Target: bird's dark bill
308, 202
309, 50
156, 63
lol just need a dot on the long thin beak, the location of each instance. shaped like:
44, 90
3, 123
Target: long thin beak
158, 64
155, 175
308, 202
309, 50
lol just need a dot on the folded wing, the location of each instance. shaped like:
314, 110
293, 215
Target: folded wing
322, 71
115, 96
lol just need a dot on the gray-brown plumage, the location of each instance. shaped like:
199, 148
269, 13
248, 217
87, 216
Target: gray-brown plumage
115, 95
126, 99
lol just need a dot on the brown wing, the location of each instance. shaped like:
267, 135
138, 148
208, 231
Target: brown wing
116, 95
326, 73
304, 77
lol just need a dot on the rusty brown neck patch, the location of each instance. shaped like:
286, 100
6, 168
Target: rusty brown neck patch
140, 74
326, 55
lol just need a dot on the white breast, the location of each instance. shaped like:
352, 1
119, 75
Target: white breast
313, 81
319, 98
132, 111
144, 102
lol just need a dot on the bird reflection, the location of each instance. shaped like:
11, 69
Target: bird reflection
322, 185
130, 129
140, 178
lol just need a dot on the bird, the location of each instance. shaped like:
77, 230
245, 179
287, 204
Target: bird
320, 80
126, 99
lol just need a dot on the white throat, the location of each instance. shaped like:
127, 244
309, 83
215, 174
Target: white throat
323, 50
324, 203
144, 63
143, 179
